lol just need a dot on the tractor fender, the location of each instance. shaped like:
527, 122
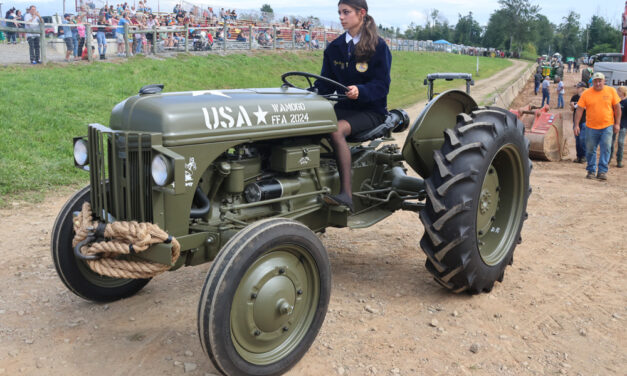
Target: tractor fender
427, 132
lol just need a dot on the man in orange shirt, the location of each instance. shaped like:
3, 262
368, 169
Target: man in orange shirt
603, 113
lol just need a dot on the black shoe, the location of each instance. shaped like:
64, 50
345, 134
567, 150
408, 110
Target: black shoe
339, 200
590, 175
619, 164
602, 176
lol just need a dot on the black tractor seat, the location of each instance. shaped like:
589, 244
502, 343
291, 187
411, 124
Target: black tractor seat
395, 121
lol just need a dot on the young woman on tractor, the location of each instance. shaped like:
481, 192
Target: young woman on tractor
360, 60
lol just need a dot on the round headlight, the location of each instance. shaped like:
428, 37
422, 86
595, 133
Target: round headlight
161, 171
80, 152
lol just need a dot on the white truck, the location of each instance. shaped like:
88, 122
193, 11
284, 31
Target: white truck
615, 73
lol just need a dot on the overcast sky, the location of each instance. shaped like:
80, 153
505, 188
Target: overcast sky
397, 13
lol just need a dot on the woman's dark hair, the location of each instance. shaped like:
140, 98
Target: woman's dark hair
369, 38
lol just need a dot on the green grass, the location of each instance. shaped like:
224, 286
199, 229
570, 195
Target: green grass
44, 107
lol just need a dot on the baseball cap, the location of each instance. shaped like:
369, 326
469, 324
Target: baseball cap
598, 75
580, 84
67, 15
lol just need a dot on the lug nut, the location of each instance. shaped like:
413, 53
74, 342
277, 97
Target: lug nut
299, 292
257, 332
281, 271
285, 328
253, 296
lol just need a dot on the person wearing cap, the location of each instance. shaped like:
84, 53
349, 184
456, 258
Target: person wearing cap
580, 140
67, 36
545, 90
603, 114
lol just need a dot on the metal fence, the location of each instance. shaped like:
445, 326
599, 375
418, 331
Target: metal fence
197, 39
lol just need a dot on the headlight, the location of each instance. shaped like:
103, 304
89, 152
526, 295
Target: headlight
80, 152
161, 170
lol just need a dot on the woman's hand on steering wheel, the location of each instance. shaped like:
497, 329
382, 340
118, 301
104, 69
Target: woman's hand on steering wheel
353, 92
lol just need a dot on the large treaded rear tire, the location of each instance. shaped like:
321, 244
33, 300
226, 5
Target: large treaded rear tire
476, 200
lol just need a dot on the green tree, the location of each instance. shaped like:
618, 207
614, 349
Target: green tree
543, 34
567, 40
515, 22
266, 8
497, 34
601, 32
467, 31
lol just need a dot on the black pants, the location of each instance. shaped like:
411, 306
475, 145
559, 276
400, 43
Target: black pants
33, 49
81, 44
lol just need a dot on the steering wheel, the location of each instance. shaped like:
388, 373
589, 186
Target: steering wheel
333, 97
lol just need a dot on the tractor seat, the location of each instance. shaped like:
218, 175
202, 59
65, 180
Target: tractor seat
395, 121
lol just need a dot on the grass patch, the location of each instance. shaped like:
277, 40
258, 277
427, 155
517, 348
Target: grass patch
44, 107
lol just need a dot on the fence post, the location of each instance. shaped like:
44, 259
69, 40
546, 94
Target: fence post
88, 42
127, 49
274, 37
250, 37
186, 38
324, 41
154, 40
293, 38
42, 43
224, 36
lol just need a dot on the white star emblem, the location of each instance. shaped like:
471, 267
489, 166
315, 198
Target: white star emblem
261, 115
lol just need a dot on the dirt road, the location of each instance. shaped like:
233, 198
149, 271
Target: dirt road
561, 309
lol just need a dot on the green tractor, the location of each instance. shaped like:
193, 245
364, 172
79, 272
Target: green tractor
237, 178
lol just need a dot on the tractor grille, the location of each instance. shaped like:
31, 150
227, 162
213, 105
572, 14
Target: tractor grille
121, 184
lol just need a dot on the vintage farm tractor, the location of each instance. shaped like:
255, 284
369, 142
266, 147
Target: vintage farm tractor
237, 177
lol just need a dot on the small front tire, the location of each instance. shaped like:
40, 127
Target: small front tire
264, 299
76, 274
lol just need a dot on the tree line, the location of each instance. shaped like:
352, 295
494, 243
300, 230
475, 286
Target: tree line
519, 26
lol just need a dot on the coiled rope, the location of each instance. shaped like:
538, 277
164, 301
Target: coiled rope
121, 238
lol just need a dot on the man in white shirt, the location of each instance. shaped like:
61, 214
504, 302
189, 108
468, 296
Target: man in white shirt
32, 20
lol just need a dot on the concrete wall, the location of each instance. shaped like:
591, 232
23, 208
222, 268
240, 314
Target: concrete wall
504, 98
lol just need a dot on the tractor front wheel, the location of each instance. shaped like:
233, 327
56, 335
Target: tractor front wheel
264, 299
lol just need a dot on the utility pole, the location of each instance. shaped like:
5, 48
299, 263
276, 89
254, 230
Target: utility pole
63, 6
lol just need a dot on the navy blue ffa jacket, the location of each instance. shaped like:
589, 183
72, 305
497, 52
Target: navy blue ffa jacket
372, 78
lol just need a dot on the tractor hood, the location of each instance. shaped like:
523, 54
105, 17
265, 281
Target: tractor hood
193, 117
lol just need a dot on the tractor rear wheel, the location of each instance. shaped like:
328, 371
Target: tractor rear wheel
476, 200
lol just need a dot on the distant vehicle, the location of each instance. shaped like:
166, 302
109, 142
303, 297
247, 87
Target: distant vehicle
606, 57
52, 25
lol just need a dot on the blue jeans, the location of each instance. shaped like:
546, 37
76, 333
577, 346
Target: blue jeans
580, 141
560, 100
621, 144
102, 42
75, 39
545, 95
595, 138
536, 86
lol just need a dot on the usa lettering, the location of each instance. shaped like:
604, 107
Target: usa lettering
224, 117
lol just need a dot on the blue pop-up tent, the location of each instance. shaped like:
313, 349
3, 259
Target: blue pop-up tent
441, 41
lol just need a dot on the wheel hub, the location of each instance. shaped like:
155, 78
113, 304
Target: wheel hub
500, 205
272, 304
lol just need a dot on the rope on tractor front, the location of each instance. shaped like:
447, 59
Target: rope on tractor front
122, 238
